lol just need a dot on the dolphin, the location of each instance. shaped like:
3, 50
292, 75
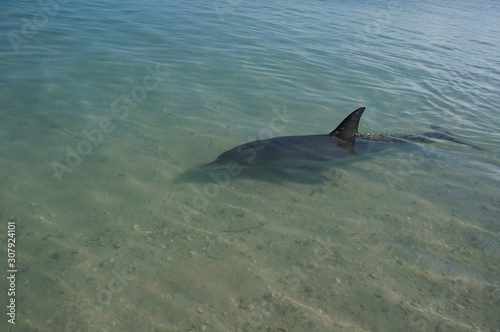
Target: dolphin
304, 157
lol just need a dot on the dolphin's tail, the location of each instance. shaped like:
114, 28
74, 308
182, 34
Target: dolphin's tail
440, 133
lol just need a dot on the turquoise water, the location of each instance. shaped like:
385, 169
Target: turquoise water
105, 104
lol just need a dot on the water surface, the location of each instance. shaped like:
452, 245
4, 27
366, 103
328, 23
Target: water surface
105, 104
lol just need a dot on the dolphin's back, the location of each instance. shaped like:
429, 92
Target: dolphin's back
294, 153
309, 151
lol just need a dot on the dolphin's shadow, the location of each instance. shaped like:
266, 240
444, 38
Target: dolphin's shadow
270, 175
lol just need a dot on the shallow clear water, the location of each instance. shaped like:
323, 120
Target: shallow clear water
104, 105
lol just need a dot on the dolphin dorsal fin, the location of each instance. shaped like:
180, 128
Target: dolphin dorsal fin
348, 128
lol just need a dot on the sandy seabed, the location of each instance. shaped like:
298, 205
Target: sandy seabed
117, 247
